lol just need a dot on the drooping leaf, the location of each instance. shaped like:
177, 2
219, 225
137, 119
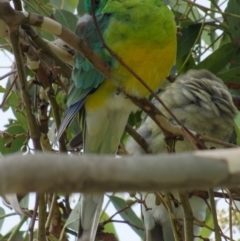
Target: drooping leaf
233, 8
80, 7
2, 89
216, 61
13, 202
205, 232
128, 215
185, 63
69, 5
41, 7
66, 18
2, 212
237, 128
232, 75
73, 219
186, 42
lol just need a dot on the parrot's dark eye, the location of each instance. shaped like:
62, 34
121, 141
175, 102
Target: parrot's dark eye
97, 2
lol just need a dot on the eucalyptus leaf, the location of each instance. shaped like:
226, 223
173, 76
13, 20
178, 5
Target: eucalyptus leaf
109, 227
205, 232
219, 59
233, 7
66, 18
16, 144
2, 89
186, 42
19, 112
128, 215
2, 212
69, 5
232, 75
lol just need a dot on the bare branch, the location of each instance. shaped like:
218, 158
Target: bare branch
53, 173
32, 123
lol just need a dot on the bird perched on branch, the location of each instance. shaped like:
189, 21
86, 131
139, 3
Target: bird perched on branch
143, 34
203, 104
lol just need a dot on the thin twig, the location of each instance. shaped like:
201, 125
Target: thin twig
33, 220
127, 222
138, 138
16, 229
188, 216
118, 212
230, 220
214, 214
45, 77
51, 212
7, 74
211, 10
45, 47
216, 141
170, 213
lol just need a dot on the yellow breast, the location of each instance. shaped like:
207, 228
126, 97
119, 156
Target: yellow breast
151, 63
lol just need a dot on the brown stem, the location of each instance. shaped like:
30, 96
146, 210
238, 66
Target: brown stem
33, 220
32, 123
138, 138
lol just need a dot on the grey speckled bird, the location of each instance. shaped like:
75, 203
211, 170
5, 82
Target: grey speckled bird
203, 104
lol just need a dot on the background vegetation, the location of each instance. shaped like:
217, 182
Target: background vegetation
210, 39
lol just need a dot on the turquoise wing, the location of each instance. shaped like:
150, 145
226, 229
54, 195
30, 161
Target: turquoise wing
85, 78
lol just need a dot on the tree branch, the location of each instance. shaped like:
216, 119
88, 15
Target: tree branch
32, 123
53, 173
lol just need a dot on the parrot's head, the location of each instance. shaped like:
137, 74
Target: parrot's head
120, 6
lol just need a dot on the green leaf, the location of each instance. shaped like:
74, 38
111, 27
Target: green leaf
2, 90
232, 75
128, 215
186, 42
52, 238
66, 18
2, 212
73, 219
27, 236
13, 101
69, 5
40, 7
81, 7
45, 35
205, 232
14, 128
219, 59
25, 201
18, 236
190, 64
109, 227
233, 7
237, 128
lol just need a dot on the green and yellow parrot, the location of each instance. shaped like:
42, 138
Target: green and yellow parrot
143, 34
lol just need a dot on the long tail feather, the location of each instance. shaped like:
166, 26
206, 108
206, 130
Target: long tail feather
70, 113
